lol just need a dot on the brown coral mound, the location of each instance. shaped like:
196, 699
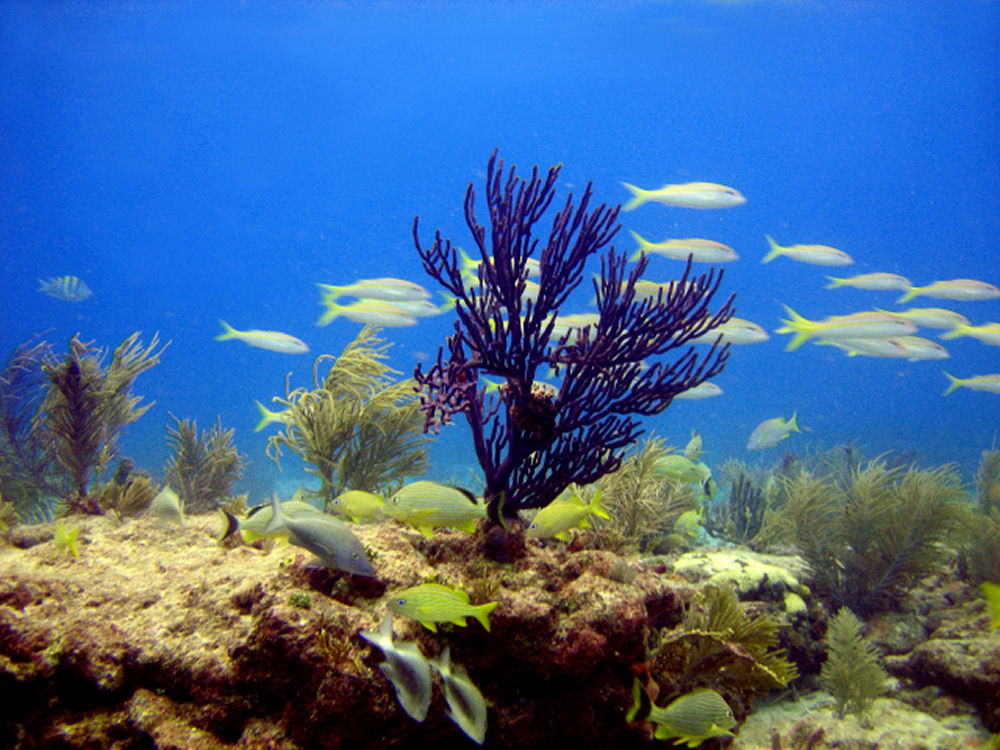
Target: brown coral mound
157, 636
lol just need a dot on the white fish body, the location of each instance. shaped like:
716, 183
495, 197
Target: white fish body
386, 288
466, 706
919, 348
405, 667
699, 250
871, 281
931, 317
820, 255
889, 348
770, 432
860, 325
734, 331
274, 341
700, 391
686, 195
167, 507
374, 311
963, 290
987, 383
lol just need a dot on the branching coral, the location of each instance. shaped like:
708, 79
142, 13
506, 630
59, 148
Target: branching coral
87, 406
358, 428
867, 541
532, 442
203, 467
739, 517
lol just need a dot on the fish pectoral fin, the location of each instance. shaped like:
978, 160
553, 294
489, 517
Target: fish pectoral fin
429, 624
458, 621
564, 536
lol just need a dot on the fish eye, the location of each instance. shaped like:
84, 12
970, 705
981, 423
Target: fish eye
533, 526
401, 602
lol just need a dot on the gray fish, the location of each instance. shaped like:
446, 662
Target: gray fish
405, 667
326, 537
466, 706
167, 507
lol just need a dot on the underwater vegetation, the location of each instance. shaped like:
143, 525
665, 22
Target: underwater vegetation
718, 646
26, 455
740, 517
979, 533
852, 673
62, 416
128, 493
868, 540
203, 467
643, 504
357, 427
533, 439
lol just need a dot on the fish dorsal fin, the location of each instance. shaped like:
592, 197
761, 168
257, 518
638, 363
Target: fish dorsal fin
257, 508
467, 493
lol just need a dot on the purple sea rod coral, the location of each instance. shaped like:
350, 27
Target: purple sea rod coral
532, 439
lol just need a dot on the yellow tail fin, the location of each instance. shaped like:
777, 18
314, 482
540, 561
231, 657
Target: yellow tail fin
639, 196
775, 249
644, 245
911, 292
801, 327
228, 332
955, 383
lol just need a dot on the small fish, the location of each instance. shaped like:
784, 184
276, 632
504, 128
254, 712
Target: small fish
770, 432
700, 251
693, 449
422, 308
167, 507
687, 195
254, 526
66, 540
274, 341
872, 281
681, 469
268, 417
689, 524
573, 325
931, 317
693, 718
918, 348
431, 603
861, 325
991, 592
563, 514
326, 537
820, 255
374, 311
734, 331
429, 505
700, 391
989, 333
359, 506
885, 348
386, 288
988, 383
405, 667
66, 288
963, 290
466, 706
470, 266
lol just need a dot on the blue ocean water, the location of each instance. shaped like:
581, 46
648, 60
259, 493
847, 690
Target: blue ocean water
197, 161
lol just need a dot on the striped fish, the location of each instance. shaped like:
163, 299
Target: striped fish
693, 718
274, 341
66, 288
430, 603
430, 505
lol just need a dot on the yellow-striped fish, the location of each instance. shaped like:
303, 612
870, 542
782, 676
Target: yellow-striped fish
963, 290
431, 603
700, 251
700, 391
377, 312
988, 333
991, 592
931, 317
987, 383
430, 505
876, 281
733, 331
686, 195
386, 288
359, 506
565, 513
820, 255
770, 432
693, 718
274, 341
860, 325
267, 416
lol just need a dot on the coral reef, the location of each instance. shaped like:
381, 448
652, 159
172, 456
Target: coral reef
203, 467
357, 428
533, 441
866, 542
